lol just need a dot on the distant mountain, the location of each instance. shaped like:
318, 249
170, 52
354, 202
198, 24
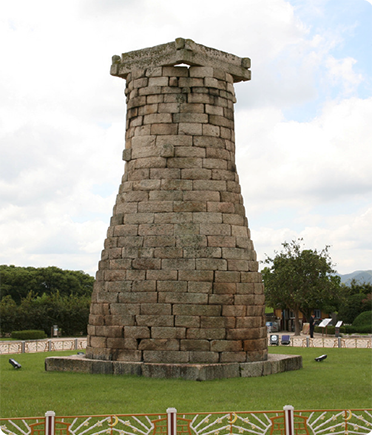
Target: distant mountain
361, 276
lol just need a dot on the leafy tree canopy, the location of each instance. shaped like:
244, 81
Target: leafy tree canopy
356, 298
70, 313
364, 318
18, 282
301, 280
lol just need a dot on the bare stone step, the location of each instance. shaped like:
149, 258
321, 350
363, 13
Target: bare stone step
190, 371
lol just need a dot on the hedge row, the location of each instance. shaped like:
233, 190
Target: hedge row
346, 329
28, 335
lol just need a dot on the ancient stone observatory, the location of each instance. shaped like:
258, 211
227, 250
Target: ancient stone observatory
178, 281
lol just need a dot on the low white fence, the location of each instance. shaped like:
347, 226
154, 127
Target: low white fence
351, 343
33, 346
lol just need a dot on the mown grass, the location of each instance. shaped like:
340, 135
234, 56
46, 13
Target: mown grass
343, 380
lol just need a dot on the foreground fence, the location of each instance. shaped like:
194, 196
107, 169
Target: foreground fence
286, 422
33, 346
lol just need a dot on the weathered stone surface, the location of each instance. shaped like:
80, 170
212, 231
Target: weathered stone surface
188, 371
204, 357
159, 344
274, 364
183, 51
178, 280
168, 332
119, 368
168, 356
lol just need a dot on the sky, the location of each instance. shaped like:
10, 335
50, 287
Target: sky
303, 123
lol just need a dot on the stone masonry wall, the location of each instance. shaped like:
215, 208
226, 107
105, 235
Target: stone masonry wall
178, 281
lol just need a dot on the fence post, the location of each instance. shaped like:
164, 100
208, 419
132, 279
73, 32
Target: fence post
76, 343
172, 421
289, 420
49, 422
307, 341
23, 346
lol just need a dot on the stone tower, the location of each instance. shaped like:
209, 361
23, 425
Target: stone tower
178, 281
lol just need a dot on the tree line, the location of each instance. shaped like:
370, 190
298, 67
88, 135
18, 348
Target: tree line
38, 298
296, 279
302, 280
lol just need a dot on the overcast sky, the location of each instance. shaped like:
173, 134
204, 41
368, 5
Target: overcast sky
303, 123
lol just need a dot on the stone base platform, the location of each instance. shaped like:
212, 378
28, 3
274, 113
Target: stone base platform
194, 372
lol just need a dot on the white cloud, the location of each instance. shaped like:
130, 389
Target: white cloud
341, 71
327, 158
310, 180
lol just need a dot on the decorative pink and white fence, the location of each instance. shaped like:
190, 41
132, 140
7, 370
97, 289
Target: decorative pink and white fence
285, 422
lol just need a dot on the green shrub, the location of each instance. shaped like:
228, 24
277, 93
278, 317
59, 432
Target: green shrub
364, 319
351, 329
366, 329
348, 329
28, 335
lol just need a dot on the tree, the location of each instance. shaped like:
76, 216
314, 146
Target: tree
301, 280
8, 314
356, 298
70, 313
38, 298
18, 282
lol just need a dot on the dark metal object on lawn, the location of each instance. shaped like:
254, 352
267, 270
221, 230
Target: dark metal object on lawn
286, 339
321, 358
14, 363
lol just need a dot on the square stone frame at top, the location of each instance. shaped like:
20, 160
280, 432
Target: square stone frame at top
181, 51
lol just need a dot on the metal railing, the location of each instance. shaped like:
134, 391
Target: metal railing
49, 345
284, 422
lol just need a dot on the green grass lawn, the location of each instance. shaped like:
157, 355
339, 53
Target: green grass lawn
343, 380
